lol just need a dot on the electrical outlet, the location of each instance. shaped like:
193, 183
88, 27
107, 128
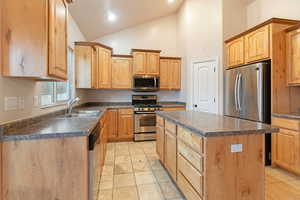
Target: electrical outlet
236, 148
10, 103
36, 101
21, 103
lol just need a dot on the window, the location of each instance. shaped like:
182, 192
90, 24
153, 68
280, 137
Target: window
58, 92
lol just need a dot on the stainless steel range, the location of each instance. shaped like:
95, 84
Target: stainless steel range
145, 117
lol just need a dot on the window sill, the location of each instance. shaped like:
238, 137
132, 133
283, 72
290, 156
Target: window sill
54, 105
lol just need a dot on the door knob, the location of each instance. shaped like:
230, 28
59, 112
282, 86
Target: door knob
195, 105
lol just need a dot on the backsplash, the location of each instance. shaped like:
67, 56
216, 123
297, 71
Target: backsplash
125, 96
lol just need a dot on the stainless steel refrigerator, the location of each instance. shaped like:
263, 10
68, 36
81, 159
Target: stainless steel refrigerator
248, 95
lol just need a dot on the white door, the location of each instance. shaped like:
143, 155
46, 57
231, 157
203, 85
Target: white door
205, 90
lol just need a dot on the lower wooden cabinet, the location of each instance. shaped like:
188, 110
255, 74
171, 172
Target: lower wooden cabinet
171, 153
160, 143
173, 108
120, 125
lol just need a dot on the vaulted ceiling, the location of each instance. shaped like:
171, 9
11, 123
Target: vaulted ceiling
92, 15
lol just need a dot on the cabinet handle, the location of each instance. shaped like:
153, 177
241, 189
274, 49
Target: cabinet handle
22, 62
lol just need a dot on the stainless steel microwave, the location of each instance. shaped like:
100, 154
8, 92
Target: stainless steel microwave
145, 83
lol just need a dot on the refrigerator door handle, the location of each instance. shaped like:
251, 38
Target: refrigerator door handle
259, 92
235, 92
239, 92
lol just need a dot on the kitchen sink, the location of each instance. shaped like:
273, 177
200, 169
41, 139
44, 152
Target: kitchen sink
82, 114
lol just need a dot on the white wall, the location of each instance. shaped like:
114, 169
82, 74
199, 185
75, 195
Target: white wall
200, 36
262, 10
11, 87
160, 34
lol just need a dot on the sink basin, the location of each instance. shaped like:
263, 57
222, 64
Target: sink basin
82, 114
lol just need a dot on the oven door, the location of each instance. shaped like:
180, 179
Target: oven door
145, 122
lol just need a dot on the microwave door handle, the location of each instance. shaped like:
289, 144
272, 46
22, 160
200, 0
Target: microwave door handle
235, 92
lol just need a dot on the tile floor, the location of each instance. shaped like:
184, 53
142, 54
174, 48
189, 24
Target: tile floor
132, 171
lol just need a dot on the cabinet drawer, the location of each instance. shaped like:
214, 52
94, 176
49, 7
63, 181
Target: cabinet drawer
193, 140
126, 111
173, 108
286, 123
186, 188
170, 126
160, 121
194, 158
190, 173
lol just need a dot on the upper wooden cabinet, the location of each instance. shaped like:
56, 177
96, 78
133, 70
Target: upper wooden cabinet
145, 62
170, 73
93, 65
293, 55
235, 52
39, 49
121, 72
104, 68
257, 44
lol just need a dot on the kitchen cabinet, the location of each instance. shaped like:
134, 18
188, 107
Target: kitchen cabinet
173, 108
160, 141
125, 124
104, 68
257, 44
146, 62
39, 49
293, 56
92, 65
45, 168
121, 72
286, 144
112, 118
170, 149
170, 73
235, 53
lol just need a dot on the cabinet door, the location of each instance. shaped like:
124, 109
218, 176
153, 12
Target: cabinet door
175, 74
125, 126
104, 61
287, 150
112, 124
257, 45
58, 39
121, 73
235, 52
24, 44
160, 142
83, 62
171, 154
164, 74
95, 69
139, 63
153, 63
293, 57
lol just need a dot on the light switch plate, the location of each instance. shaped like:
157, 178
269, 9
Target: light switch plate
10, 103
236, 148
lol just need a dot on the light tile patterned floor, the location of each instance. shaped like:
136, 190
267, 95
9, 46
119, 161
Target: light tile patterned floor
132, 171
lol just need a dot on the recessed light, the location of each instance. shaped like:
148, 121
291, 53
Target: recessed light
111, 17
171, 1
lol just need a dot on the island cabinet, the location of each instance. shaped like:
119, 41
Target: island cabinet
170, 73
146, 62
39, 49
121, 72
93, 65
227, 167
286, 144
120, 122
45, 169
293, 55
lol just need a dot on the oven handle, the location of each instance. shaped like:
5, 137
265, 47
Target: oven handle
145, 113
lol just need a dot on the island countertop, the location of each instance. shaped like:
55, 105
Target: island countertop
212, 125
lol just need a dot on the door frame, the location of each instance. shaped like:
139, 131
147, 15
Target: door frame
217, 67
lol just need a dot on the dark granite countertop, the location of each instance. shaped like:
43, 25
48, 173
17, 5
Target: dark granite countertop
211, 125
54, 125
295, 116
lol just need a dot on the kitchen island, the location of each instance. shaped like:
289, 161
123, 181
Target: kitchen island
213, 157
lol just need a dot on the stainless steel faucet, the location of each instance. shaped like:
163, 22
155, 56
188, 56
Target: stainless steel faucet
71, 103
